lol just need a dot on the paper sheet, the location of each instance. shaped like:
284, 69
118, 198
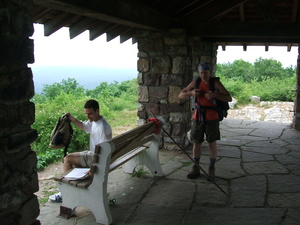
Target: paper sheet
77, 173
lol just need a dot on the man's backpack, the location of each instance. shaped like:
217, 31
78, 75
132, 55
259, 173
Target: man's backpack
61, 134
221, 107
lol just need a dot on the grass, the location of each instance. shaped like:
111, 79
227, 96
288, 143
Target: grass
139, 172
125, 121
46, 193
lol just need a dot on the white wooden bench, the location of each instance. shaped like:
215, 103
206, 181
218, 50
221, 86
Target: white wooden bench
138, 146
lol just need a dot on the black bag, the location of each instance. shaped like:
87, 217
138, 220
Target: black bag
221, 107
61, 134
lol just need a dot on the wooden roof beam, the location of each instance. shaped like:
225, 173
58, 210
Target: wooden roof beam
125, 12
246, 30
266, 10
266, 47
58, 22
242, 12
194, 8
214, 10
81, 26
115, 32
124, 37
100, 29
253, 41
41, 13
224, 46
294, 11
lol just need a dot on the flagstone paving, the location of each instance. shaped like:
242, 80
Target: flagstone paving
257, 173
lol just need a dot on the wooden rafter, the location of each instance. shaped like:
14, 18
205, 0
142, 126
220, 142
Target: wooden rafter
263, 22
294, 11
126, 12
58, 22
81, 26
266, 10
214, 10
242, 12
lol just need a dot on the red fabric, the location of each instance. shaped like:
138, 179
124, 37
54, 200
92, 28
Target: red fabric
210, 113
157, 124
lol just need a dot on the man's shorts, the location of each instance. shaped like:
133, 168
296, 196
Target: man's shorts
86, 158
210, 129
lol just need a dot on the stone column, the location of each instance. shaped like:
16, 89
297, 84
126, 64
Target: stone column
296, 119
18, 180
167, 63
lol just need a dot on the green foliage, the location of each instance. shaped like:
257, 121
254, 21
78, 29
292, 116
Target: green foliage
69, 86
267, 68
139, 172
67, 96
239, 70
265, 78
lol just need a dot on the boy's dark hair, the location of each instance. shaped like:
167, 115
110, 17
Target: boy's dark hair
91, 104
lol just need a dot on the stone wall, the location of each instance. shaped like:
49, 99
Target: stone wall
18, 180
167, 63
296, 118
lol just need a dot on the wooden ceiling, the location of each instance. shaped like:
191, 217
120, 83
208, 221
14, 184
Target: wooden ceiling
234, 22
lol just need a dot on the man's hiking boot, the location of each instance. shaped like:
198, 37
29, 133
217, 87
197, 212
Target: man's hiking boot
194, 173
211, 173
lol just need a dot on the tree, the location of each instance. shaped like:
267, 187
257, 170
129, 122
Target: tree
69, 86
268, 68
238, 70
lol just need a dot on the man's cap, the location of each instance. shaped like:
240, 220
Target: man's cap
205, 66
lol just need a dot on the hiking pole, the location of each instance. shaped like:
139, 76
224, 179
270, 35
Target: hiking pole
182, 149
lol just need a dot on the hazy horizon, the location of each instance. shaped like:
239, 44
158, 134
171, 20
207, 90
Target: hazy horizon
87, 76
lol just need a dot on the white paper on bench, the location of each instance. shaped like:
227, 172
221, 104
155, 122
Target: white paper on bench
77, 174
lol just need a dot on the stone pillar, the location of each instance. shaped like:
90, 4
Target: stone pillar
18, 180
167, 63
296, 119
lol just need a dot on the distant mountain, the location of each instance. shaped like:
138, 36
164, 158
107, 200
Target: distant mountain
88, 77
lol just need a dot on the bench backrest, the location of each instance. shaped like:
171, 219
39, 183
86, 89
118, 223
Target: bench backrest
132, 139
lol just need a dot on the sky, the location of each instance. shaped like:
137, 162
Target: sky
59, 50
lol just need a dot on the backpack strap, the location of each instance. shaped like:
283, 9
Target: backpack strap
197, 105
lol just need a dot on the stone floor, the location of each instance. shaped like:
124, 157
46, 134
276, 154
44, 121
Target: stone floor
257, 183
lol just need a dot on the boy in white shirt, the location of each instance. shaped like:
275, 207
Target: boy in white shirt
99, 130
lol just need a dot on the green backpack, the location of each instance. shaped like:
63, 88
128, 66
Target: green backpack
61, 134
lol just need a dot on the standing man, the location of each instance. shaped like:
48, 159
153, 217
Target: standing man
99, 131
205, 120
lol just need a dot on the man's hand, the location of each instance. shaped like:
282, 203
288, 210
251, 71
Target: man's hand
71, 118
88, 173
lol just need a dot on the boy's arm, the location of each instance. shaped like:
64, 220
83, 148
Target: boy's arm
75, 121
221, 92
187, 91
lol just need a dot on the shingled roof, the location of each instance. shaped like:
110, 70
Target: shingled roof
234, 22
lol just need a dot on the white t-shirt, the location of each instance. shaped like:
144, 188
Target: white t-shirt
99, 131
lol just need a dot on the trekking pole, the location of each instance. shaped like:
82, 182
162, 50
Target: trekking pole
182, 149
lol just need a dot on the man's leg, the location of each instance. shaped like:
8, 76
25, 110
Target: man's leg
213, 151
71, 160
196, 168
197, 152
